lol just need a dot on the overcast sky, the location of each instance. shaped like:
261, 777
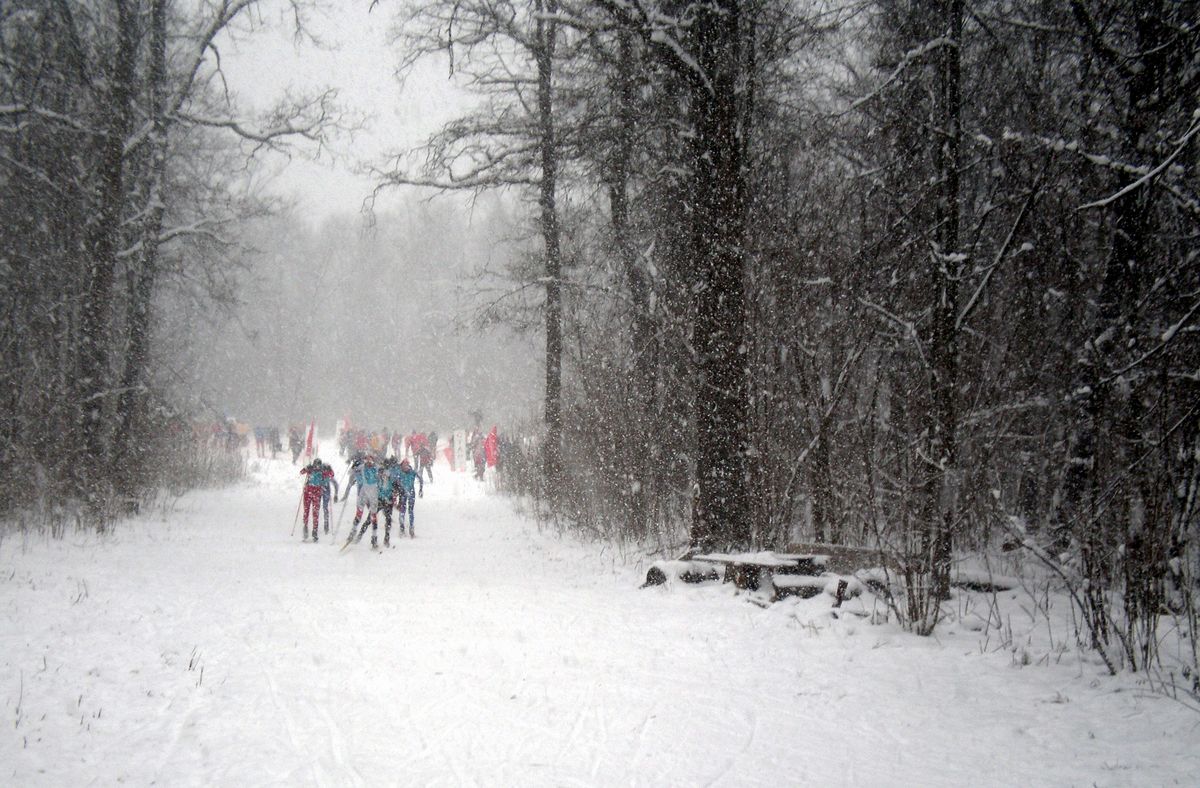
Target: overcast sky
357, 60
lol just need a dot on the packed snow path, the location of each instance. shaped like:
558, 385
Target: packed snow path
206, 646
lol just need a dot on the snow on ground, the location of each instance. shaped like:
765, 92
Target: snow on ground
207, 646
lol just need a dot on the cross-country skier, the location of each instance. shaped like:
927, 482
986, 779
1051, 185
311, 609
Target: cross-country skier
329, 479
295, 442
433, 442
315, 476
366, 476
475, 447
389, 484
407, 495
424, 455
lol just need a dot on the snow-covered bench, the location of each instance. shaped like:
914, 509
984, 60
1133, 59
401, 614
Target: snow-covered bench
753, 571
746, 570
779, 574
839, 587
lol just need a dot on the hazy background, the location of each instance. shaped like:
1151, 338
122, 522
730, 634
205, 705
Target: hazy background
348, 315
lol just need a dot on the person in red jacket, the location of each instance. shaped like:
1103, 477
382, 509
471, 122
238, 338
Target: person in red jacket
491, 448
316, 477
424, 456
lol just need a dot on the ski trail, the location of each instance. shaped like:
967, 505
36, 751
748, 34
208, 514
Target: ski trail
337, 745
639, 748
172, 747
583, 707
489, 652
602, 737
289, 723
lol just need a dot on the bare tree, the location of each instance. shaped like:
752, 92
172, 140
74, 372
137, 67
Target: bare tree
508, 53
133, 87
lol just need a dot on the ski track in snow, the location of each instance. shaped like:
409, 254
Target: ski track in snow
206, 646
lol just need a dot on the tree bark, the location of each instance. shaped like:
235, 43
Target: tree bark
101, 246
722, 407
132, 405
945, 269
546, 34
640, 396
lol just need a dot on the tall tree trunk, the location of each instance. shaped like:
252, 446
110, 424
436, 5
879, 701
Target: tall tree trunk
102, 247
946, 265
640, 396
722, 406
132, 406
546, 35
825, 524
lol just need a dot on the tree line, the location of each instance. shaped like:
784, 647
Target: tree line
125, 169
921, 276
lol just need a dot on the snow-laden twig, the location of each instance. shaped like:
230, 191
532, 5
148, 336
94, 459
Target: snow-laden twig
1057, 145
910, 329
1164, 340
907, 60
47, 114
1180, 144
310, 130
1000, 255
659, 31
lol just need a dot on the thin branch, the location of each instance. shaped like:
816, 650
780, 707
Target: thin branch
1180, 145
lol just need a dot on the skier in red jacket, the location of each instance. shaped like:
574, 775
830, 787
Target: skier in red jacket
316, 479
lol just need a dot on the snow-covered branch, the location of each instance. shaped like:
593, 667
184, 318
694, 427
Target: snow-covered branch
1180, 145
910, 57
308, 121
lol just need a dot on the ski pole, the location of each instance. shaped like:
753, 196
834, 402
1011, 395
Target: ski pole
341, 516
296, 519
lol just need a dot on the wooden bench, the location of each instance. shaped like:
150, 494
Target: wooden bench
781, 574
842, 559
751, 571
806, 587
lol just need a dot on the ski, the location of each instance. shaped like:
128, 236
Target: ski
338, 526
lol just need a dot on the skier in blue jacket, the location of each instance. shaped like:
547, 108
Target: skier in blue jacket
407, 494
366, 476
388, 485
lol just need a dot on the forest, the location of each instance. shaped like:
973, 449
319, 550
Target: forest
920, 276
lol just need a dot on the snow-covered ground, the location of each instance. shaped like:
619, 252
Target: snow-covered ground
207, 646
